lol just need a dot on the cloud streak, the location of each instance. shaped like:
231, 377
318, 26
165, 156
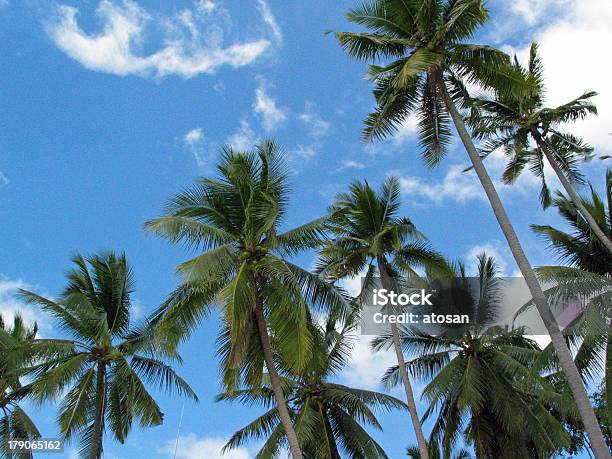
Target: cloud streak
185, 51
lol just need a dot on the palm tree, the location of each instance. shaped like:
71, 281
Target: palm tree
328, 414
14, 423
430, 60
511, 122
588, 277
264, 298
480, 382
367, 231
102, 371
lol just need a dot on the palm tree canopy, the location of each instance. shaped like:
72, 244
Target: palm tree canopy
14, 421
328, 416
365, 224
423, 43
520, 124
235, 219
94, 311
480, 386
578, 247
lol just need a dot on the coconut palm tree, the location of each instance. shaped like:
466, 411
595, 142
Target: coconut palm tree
101, 372
15, 422
430, 59
329, 415
589, 278
367, 232
235, 218
480, 383
515, 123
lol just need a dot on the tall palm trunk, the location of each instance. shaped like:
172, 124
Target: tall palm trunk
565, 357
98, 426
281, 404
605, 240
414, 415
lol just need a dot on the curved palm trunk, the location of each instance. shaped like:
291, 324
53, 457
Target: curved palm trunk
565, 357
98, 427
605, 240
281, 404
414, 415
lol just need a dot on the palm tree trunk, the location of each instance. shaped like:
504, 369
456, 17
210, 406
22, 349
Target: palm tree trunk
565, 357
98, 426
414, 415
605, 240
281, 404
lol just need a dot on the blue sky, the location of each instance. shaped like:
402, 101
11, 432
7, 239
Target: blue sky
107, 107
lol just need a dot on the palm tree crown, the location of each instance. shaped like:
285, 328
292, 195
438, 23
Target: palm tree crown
523, 126
578, 247
480, 384
426, 43
328, 415
102, 372
14, 421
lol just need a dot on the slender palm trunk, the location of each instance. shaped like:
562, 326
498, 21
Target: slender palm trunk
565, 357
98, 427
605, 240
281, 403
414, 415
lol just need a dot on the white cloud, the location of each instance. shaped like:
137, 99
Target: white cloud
10, 306
191, 446
193, 136
265, 106
3, 179
270, 20
4, 3
456, 186
459, 186
351, 164
304, 152
184, 52
406, 131
317, 126
494, 249
532, 11
572, 62
194, 142
244, 138
366, 367
205, 6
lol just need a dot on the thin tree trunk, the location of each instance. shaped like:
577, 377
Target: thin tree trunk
605, 240
414, 415
565, 357
281, 404
98, 427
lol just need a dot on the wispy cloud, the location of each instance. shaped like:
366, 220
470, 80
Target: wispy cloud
3, 179
270, 113
317, 126
194, 142
10, 306
270, 20
351, 164
243, 138
185, 52
191, 446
